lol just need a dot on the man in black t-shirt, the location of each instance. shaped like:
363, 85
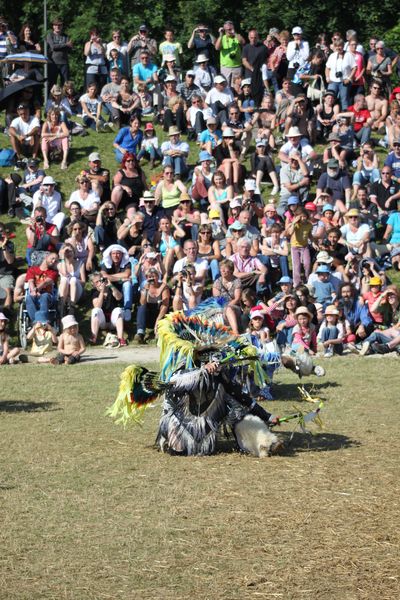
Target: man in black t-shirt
252, 52
384, 193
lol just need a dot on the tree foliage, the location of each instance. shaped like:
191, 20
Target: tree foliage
367, 17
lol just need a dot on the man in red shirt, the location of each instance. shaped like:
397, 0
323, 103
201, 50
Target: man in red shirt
360, 117
42, 282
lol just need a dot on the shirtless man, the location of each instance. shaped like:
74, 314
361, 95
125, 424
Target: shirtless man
377, 105
70, 344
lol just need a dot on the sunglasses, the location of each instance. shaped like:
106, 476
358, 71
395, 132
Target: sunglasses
206, 231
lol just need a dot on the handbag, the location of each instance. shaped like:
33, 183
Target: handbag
316, 93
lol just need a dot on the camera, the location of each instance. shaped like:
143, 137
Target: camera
296, 65
103, 280
339, 74
39, 220
232, 55
185, 272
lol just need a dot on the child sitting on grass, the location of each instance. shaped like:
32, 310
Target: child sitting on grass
304, 335
70, 344
43, 337
332, 332
7, 354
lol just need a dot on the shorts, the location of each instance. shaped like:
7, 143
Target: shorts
117, 313
71, 360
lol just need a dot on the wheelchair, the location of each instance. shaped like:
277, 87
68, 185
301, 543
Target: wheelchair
25, 324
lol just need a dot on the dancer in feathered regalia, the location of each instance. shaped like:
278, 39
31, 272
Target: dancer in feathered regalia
205, 375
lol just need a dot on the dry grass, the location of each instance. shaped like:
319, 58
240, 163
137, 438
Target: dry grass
90, 511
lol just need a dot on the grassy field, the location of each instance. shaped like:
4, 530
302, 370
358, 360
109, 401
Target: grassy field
90, 511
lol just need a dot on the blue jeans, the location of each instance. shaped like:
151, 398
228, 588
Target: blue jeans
363, 177
283, 263
151, 152
364, 135
43, 302
285, 337
177, 163
342, 92
146, 315
127, 291
332, 333
91, 122
378, 336
214, 268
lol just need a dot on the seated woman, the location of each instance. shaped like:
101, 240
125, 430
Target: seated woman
129, 183
71, 98
208, 248
91, 104
107, 312
220, 194
154, 304
83, 247
55, 139
168, 243
229, 287
202, 180
71, 285
264, 121
87, 199
367, 169
262, 165
284, 329
187, 217
168, 191
127, 102
128, 139
227, 156
131, 236
116, 269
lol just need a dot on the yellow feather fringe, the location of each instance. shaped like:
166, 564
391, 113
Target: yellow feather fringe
124, 411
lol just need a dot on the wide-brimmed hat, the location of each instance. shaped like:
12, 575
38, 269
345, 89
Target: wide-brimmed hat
303, 310
237, 226
324, 257
353, 212
285, 279
219, 79
375, 281
331, 310
3, 317
204, 155
173, 130
235, 203
257, 311
228, 132
293, 132
69, 321
202, 58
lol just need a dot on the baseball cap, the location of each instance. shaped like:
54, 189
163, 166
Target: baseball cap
149, 127
292, 200
211, 121
261, 142
257, 311
333, 163
94, 156
169, 78
191, 72
169, 57
310, 206
219, 79
285, 279
143, 27
48, 180
246, 81
297, 30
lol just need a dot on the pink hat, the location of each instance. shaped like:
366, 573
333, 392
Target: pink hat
3, 317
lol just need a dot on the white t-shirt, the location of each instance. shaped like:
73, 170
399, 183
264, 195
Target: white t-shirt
200, 265
337, 64
304, 147
24, 127
354, 236
225, 97
87, 204
52, 204
91, 103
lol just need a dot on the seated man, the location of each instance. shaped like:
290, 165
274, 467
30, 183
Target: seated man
50, 199
116, 270
145, 72
20, 190
109, 93
24, 133
190, 249
41, 235
249, 269
175, 152
42, 283
99, 176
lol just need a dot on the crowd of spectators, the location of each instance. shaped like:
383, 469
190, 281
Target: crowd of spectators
292, 212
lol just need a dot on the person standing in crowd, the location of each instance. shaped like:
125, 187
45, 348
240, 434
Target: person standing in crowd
59, 46
229, 44
253, 53
203, 42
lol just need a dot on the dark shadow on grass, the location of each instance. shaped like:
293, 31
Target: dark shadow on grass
289, 391
319, 442
4, 487
96, 358
23, 406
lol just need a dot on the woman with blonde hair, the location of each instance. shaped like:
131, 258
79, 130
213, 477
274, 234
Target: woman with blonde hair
55, 139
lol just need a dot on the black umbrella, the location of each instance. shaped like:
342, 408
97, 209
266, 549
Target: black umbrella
16, 88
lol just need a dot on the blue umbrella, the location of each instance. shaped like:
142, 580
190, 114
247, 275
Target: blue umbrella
29, 57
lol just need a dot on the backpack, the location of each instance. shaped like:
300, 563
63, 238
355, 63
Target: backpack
7, 157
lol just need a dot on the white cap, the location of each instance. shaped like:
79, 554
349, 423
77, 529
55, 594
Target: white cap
297, 30
94, 156
48, 180
169, 78
169, 57
246, 81
236, 202
202, 58
219, 79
